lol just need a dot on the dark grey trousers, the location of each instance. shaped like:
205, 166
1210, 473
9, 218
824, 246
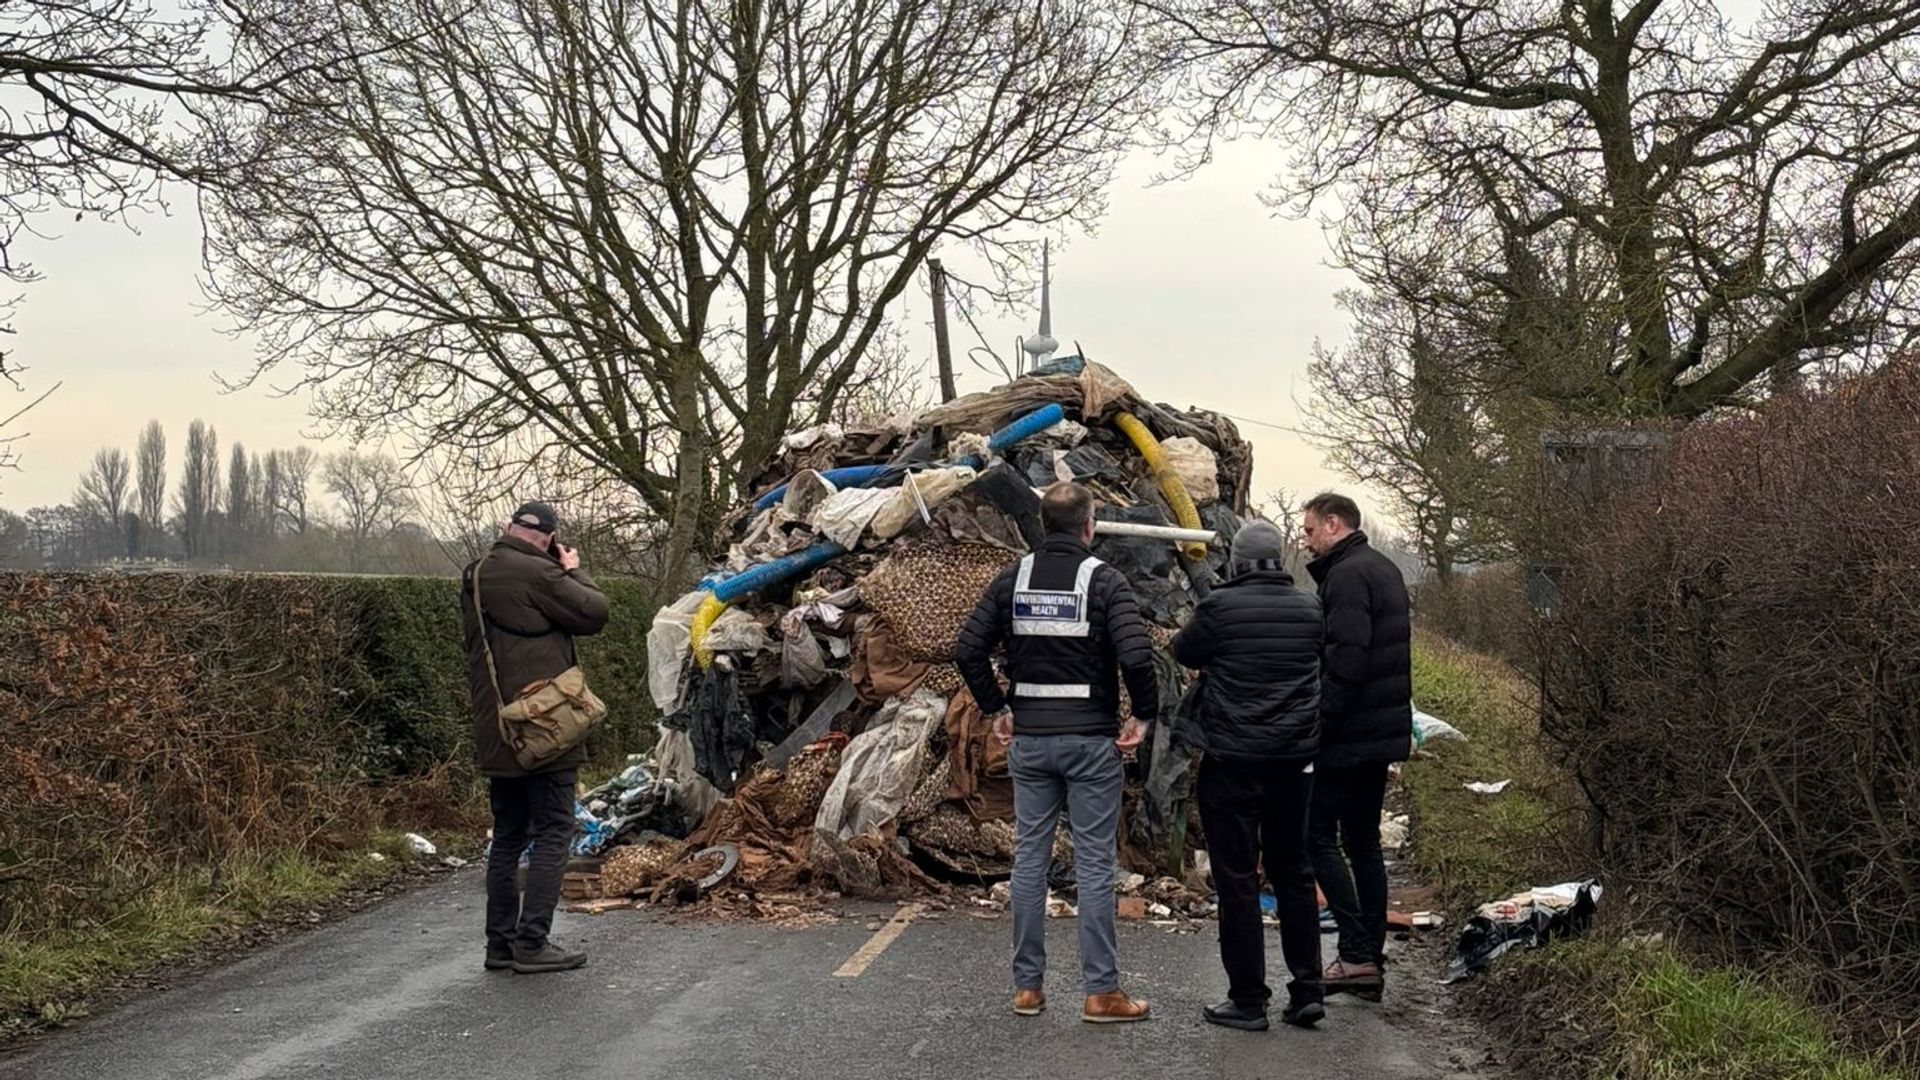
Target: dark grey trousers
1081, 774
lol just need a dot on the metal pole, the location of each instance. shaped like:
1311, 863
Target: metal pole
942, 348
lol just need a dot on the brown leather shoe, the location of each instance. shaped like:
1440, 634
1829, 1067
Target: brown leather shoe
1364, 981
1114, 1008
1029, 1003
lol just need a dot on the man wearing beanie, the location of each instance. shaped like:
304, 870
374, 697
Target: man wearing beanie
1256, 641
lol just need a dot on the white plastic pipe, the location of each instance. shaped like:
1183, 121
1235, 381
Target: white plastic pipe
1154, 532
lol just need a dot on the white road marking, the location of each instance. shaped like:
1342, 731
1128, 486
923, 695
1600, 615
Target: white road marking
877, 944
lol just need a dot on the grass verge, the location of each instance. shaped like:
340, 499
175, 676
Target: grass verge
48, 980
1482, 847
1616, 1005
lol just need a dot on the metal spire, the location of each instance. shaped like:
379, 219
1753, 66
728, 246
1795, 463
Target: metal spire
1040, 347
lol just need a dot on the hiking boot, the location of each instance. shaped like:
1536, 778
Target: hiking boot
1304, 1014
546, 958
1364, 981
1114, 1008
499, 958
1029, 1003
1233, 1014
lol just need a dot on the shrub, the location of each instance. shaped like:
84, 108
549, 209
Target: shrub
1736, 677
157, 722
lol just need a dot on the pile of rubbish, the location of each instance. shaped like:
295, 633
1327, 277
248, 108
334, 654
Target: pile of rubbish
1529, 920
814, 722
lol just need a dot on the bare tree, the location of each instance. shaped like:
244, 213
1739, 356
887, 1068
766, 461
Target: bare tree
1745, 199
239, 501
106, 100
296, 478
105, 496
199, 495
272, 495
374, 499
150, 483
259, 512
1403, 409
1283, 507
16, 551
464, 496
657, 235
9, 457
894, 385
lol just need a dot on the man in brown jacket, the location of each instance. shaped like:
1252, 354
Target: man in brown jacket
534, 599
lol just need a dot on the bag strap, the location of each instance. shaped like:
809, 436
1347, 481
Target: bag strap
480, 618
493, 673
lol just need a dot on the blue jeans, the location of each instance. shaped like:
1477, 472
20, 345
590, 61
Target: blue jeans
1083, 775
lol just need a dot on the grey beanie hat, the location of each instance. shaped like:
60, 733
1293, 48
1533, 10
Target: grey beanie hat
1258, 542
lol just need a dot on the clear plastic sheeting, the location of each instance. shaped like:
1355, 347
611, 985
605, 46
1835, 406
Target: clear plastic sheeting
879, 769
916, 498
667, 645
673, 759
845, 516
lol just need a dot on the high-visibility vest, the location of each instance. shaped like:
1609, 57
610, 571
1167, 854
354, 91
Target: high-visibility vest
1054, 614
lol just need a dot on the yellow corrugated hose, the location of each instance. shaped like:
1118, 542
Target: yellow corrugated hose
1184, 512
710, 609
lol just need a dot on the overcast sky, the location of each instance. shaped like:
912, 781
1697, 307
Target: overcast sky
1194, 291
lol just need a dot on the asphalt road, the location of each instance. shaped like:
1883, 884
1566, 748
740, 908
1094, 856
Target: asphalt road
399, 992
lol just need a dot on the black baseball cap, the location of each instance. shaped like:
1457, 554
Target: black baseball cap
537, 515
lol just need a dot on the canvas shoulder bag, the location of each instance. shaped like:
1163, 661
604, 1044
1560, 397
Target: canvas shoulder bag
549, 716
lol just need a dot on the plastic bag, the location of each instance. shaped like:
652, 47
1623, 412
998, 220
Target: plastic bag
806, 494
1428, 728
802, 664
667, 650
737, 631
879, 770
808, 438
593, 834
1065, 434
916, 497
1198, 468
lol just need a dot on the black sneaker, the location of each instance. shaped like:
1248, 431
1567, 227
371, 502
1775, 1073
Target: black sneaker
499, 958
1233, 1014
546, 958
1304, 1015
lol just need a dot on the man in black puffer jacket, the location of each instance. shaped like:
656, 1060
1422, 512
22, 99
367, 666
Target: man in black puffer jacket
1366, 724
1256, 642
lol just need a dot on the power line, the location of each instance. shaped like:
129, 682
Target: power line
1269, 424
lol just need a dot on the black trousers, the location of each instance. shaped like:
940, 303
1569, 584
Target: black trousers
1251, 813
527, 808
1345, 840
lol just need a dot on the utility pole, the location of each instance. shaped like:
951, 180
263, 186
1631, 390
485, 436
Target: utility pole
942, 348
